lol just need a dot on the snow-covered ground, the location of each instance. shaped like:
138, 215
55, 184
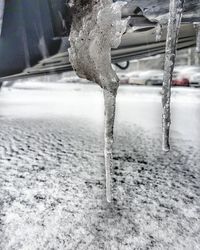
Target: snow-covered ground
52, 180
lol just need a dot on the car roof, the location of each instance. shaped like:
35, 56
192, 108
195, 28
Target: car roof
187, 68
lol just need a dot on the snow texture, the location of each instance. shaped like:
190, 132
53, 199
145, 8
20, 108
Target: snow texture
97, 27
175, 15
52, 178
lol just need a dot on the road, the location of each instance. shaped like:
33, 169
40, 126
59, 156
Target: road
52, 178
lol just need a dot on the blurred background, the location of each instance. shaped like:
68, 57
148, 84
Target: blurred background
147, 71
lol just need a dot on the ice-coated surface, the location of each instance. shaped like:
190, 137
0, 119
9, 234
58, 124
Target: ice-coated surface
97, 27
158, 10
175, 14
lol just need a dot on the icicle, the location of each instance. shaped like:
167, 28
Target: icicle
197, 27
158, 32
40, 33
198, 39
24, 37
96, 28
2, 5
110, 104
175, 15
43, 47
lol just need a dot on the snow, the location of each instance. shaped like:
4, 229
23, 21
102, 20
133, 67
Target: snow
52, 177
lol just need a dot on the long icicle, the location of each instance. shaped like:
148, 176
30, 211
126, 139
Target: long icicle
96, 28
2, 6
175, 15
109, 104
197, 26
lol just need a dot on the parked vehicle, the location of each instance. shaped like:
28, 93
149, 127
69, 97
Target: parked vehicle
34, 34
123, 78
196, 80
148, 77
186, 76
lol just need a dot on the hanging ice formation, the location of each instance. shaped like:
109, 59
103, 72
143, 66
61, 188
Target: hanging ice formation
175, 15
197, 26
96, 28
2, 5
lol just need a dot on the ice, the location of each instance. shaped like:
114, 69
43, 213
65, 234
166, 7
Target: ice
158, 32
110, 104
24, 38
43, 47
175, 15
197, 26
97, 27
158, 10
2, 4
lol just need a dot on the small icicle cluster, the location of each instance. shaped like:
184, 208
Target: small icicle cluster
96, 28
175, 15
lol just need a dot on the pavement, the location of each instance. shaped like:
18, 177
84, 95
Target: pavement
52, 178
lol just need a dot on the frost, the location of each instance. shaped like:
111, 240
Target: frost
175, 15
97, 27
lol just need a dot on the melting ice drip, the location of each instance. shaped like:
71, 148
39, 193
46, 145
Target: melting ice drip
96, 28
175, 15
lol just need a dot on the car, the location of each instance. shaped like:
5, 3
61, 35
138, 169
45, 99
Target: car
123, 78
40, 32
147, 77
186, 76
196, 79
